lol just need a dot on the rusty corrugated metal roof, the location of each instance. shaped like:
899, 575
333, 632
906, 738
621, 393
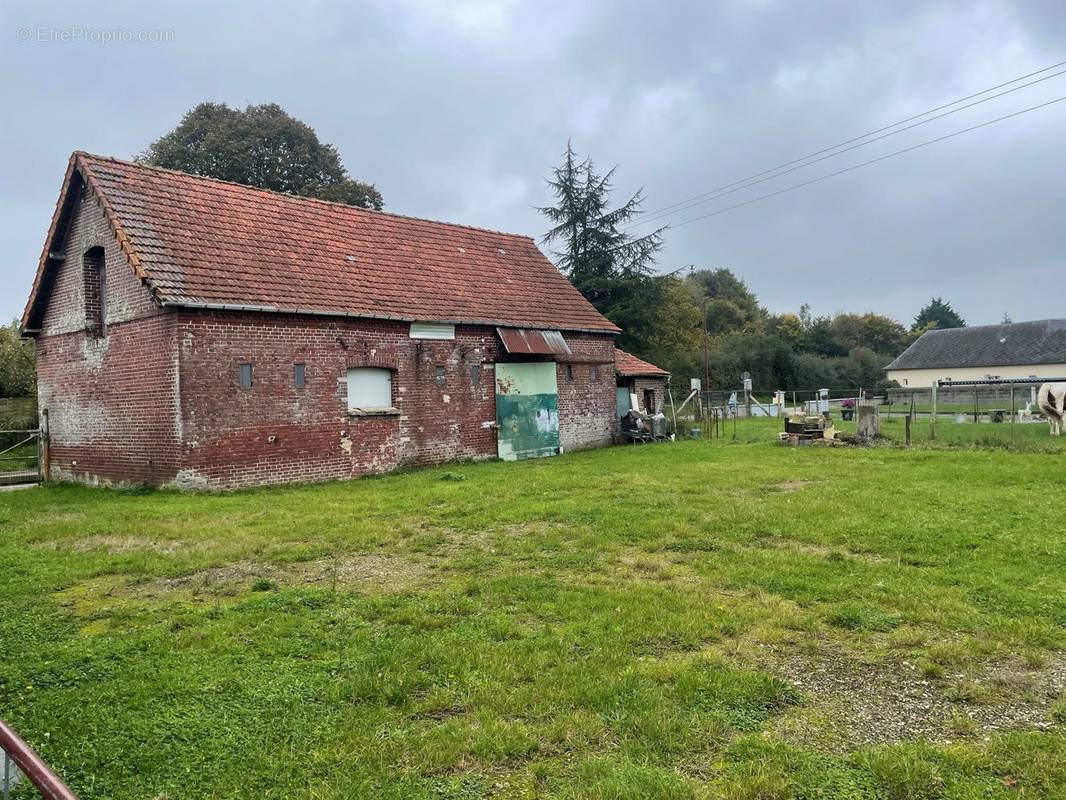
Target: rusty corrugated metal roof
533, 342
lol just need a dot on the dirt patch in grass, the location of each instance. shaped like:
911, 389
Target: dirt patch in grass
115, 544
788, 486
365, 571
851, 704
814, 550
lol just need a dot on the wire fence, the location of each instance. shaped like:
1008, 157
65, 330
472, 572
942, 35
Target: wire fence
977, 416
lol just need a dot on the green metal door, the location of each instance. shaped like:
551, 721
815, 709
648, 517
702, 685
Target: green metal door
527, 410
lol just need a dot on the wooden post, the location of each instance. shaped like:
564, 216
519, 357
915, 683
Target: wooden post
932, 420
869, 425
44, 463
975, 405
673, 409
1013, 414
907, 430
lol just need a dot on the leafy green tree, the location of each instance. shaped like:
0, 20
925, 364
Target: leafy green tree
731, 305
675, 340
790, 328
940, 312
822, 339
261, 146
873, 331
611, 267
18, 376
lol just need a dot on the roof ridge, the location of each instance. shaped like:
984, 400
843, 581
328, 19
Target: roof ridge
299, 198
996, 325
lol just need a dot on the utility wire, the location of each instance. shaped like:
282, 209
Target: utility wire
685, 207
868, 163
757, 178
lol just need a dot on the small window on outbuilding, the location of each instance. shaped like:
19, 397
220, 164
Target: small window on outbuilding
432, 330
594, 373
299, 374
369, 389
569, 372
440, 376
475, 375
246, 376
95, 294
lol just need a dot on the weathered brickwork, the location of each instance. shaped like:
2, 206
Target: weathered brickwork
586, 393
657, 386
111, 400
156, 395
444, 393
275, 432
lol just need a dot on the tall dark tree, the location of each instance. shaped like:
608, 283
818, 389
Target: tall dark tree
940, 312
260, 146
610, 266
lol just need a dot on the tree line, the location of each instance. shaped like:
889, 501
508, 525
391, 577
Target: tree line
670, 320
701, 321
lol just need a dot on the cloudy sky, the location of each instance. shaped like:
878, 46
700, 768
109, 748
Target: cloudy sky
458, 110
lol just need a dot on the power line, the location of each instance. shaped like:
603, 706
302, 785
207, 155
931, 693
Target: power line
776, 174
707, 196
871, 161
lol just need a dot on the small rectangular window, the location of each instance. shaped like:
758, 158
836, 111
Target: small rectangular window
594, 373
569, 372
432, 330
298, 375
246, 376
440, 376
475, 375
369, 388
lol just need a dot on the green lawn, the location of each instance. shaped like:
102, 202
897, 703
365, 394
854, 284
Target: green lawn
701, 619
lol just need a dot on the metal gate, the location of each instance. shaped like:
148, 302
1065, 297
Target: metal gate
527, 410
21, 456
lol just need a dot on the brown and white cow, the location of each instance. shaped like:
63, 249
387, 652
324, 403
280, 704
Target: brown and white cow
1052, 401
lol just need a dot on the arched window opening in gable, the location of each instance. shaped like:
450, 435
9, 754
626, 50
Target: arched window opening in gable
95, 291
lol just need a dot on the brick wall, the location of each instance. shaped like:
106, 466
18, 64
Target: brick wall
587, 393
111, 400
275, 432
658, 389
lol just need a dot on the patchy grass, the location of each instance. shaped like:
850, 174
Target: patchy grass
703, 619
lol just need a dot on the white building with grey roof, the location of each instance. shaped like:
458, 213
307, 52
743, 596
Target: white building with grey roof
1035, 350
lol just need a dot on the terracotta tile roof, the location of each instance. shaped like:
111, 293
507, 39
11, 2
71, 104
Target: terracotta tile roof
197, 240
629, 366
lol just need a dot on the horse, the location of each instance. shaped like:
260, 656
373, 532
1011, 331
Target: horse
1052, 401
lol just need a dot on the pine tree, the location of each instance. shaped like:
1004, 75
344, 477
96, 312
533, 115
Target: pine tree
940, 313
611, 267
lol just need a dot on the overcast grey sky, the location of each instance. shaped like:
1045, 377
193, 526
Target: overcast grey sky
458, 110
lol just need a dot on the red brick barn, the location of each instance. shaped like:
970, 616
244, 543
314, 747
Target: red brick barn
201, 333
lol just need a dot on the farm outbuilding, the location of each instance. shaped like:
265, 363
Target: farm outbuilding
1018, 350
199, 333
642, 380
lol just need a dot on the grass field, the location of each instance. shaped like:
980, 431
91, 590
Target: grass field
699, 619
